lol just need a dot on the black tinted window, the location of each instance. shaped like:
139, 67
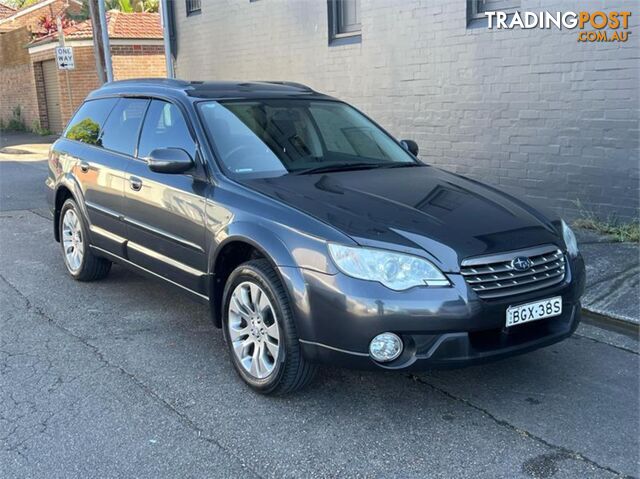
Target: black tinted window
164, 127
86, 124
273, 137
120, 132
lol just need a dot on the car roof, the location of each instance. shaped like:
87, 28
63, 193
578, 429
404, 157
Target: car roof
208, 89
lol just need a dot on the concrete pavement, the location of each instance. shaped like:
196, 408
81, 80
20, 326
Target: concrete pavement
613, 277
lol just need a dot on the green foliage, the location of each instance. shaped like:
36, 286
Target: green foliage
86, 131
611, 226
152, 6
20, 3
127, 6
82, 15
38, 130
131, 6
15, 123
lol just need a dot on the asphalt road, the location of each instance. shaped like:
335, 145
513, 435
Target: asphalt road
127, 378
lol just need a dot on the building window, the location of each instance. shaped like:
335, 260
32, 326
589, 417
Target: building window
193, 7
479, 7
344, 20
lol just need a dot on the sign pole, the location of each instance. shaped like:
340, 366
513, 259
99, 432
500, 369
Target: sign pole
66, 72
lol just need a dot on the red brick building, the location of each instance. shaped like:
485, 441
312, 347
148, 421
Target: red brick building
48, 96
29, 17
17, 27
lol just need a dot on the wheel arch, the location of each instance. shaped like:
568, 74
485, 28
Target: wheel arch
67, 188
63, 193
246, 242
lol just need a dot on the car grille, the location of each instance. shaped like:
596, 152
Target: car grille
493, 276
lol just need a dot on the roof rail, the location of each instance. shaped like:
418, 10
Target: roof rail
290, 83
149, 81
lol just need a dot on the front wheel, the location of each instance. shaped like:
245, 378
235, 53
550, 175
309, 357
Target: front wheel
80, 261
260, 332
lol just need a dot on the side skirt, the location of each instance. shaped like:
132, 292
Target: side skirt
144, 271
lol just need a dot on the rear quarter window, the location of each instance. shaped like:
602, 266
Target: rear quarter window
86, 125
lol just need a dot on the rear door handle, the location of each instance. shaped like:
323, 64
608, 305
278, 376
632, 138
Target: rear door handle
84, 166
135, 183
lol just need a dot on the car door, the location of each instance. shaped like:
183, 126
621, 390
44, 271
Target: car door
99, 173
165, 213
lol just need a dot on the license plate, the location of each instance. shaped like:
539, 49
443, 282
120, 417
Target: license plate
525, 313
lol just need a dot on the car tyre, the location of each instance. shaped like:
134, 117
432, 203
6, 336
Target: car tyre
250, 332
80, 261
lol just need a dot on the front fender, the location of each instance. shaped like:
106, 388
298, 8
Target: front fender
283, 245
290, 260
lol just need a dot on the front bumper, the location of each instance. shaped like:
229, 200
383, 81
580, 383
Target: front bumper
337, 317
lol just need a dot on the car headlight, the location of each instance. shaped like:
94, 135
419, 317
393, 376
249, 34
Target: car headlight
396, 271
569, 240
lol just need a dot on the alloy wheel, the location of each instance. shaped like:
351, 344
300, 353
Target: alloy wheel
253, 329
72, 240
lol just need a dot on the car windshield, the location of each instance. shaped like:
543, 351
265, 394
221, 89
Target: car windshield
266, 138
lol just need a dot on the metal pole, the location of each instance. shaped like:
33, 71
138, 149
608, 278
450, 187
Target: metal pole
166, 35
105, 40
96, 32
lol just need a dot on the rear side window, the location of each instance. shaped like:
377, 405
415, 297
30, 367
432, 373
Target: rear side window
86, 125
165, 127
120, 132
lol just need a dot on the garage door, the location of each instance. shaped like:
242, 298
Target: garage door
52, 93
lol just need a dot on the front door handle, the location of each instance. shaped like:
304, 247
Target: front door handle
84, 166
135, 183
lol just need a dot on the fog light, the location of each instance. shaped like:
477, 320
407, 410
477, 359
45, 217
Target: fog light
385, 347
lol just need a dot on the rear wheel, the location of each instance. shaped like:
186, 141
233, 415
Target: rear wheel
260, 333
80, 261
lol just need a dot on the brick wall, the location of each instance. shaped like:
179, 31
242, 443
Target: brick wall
534, 112
138, 61
16, 87
129, 61
75, 84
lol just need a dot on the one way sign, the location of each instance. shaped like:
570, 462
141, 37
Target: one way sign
64, 57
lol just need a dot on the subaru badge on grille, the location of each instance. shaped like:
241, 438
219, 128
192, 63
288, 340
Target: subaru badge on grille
521, 263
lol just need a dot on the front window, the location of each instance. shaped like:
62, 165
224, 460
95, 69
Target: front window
262, 138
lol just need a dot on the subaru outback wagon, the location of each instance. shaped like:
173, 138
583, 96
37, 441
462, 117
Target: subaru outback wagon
313, 234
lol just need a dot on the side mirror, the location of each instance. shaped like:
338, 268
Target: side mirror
411, 146
169, 160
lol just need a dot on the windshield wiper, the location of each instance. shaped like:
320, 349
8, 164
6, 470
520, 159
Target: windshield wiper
353, 166
398, 164
335, 167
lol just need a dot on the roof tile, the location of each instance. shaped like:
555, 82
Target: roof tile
119, 24
6, 11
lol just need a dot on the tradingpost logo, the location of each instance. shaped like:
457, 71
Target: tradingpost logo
595, 26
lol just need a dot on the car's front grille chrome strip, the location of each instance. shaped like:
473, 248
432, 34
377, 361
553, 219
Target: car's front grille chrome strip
497, 278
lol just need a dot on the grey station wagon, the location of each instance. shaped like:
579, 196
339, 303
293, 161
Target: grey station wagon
313, 234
